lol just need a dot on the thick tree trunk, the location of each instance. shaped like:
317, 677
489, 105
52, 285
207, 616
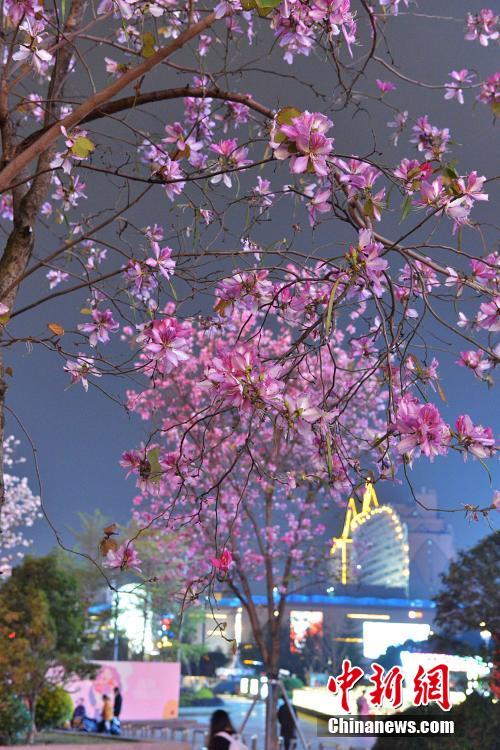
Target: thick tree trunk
32, 710
272, 714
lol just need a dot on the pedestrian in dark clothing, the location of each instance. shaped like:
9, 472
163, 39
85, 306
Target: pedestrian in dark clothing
117, 706
287, 724
78, 715
222, 734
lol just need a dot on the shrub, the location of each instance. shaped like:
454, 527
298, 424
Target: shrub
292, 683
203, 693
202, 697
54, 707
477, 727
14, 719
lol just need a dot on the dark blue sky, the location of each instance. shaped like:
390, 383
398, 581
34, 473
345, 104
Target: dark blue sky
80, 437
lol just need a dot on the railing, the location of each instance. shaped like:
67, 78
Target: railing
197, 738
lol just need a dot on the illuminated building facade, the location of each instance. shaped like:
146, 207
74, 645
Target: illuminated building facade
385, 568
373, 549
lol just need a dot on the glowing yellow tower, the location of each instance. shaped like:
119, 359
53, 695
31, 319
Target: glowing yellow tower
341, 544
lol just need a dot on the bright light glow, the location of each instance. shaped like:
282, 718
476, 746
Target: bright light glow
238, 626
244, 685
366, 616
415, 615
473, 666
378, 636
131, 619
304, 624
254, 686
264, 691
349, 640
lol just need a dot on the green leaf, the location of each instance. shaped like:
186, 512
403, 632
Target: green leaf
329, 454
379, 441
82, 147
329, 311
148, 44
248, 4
264, 7
450, 172
286, 115
406, 208
154, 462
440, 391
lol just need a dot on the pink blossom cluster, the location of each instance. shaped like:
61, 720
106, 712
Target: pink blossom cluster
248, 290
359, 178
305, 142
164, 343
296, 24
482, 26
20, 510
489, 92
429, 139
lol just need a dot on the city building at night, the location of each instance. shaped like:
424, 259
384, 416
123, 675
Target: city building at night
385, 567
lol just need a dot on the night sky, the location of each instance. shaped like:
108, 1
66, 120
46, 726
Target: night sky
80, 437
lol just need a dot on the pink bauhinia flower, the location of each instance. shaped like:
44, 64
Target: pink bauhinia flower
366, 259
482, 26
230, 157
238, 378
172, 176
486, 269
102, 325
475, 439
421, 429
385, 86
222, 563
56, 277
165, 343
319, 204
30, 50
454, 89
474, 360
489, 315
80, 370
411, 172
489, 91
433, 141
123, 558
496, 499
399, 124
305, 142
161, 260
19, 9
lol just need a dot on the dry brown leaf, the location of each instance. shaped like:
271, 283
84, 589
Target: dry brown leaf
107, 545
56, 328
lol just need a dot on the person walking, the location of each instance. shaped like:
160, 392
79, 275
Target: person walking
107, 714
117, 705
222, 735
287, 724
362, 705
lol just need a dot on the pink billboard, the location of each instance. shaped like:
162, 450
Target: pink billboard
150, 690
